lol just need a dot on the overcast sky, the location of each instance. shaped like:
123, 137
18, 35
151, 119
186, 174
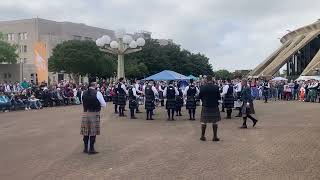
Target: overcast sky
234, 34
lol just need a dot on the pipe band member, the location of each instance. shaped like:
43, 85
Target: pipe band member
122, 96
247, 106
90, 124
150, 93
171, 92
191, 92
228, 98
210, 96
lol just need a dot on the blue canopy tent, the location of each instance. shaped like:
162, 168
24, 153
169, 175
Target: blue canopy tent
167, 75
193, 77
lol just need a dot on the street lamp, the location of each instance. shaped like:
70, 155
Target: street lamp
124, 44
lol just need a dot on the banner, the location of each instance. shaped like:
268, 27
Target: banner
41, 61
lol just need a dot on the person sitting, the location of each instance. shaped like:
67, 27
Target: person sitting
17, 102
5, 103
35, 103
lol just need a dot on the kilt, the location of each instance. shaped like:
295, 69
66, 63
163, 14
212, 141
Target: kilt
179, 102
191, 102
228, 101
171, 104
133, 104
149, 104
115, 99
122, 100
90, 124
210, 114
248, 109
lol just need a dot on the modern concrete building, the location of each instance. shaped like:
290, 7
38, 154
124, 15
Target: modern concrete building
299, 51
27, 33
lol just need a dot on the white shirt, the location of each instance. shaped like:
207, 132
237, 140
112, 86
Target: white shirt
136, 87
225, 90
166, 89
135, 92
238, 87
187, 88
124, 88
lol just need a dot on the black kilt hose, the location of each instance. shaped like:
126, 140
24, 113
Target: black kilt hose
191, 102
171, 103
210, 114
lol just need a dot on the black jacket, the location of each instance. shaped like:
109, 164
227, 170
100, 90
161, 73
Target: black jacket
210, 95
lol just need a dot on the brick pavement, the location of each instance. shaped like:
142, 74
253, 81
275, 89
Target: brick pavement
46, 145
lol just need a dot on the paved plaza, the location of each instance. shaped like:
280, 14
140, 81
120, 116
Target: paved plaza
46, 144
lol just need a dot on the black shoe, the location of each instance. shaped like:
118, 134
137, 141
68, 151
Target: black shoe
151, 119
228, 117
244, 127
133, 117
255, 122
215, 139
91, 152
85, 149
116, 112
203, 138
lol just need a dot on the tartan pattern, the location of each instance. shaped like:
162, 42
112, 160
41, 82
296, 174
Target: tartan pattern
210, 114
191, 102
90, 124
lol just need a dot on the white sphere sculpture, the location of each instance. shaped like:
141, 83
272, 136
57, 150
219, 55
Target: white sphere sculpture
99, 42
106, 39
141, 42
114, 45
127, 39
133, 44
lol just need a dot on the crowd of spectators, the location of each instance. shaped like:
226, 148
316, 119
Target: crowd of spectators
305, 91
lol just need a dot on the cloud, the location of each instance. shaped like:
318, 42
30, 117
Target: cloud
233, 34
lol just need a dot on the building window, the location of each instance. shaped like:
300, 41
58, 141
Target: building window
25, 48
10, 37
76, 37
24, 60
9, 76
25, 36
5, 75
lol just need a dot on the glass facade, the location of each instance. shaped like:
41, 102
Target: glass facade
300, 60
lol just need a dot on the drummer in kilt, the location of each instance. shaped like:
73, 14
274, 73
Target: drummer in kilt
191, 92
179, 101
122, 97
210, 96
90, 124
228, 98
171, 92
133, 98
247, 107
150, 93
161, 89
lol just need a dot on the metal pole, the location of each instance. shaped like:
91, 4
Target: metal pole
121, 59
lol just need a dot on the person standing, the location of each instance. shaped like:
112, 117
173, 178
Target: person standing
266, 88
228, 98
133, 98
161, 90
238, 88
179, 101
114, 95
170, 92
122, 96
210, 96
90, 125
247, 107
191, 92
139, 93
150, 93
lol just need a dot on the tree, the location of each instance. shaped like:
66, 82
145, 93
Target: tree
155, 58
223, 74
81, 58
7, 51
